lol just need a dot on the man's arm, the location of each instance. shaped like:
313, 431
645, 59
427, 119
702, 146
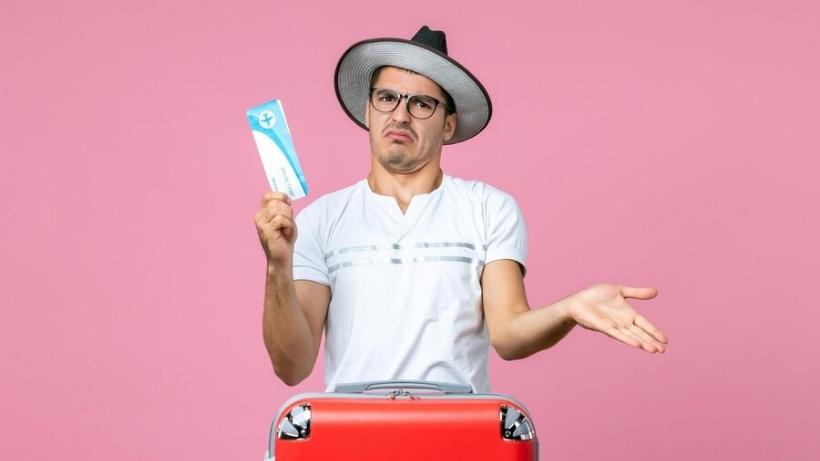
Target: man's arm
292, 324
294, 312
516, 331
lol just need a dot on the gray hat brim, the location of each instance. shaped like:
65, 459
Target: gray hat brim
357, 64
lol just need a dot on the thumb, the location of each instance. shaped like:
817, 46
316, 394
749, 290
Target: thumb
638, 293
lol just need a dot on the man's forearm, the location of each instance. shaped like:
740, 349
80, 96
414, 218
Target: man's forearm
287, 334
535, 330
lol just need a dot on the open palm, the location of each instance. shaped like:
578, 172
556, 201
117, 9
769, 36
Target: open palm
603, 307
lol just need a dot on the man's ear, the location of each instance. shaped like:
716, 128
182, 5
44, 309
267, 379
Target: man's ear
450, 122
367, 116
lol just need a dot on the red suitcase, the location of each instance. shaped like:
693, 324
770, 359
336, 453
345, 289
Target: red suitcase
408, 423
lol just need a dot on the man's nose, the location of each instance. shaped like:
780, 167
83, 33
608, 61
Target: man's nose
400, 113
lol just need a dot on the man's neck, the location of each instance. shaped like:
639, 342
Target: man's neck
403, 187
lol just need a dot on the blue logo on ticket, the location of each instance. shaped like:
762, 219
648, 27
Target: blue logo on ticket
275, 145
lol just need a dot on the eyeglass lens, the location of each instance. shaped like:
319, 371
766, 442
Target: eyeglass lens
419, 105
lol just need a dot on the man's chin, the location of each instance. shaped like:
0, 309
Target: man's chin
397, 150
398, 161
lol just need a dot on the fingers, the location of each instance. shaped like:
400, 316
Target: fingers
648, 343
277, 220
638, 293
270, 196
281, 222
644, 324
274, 204
633, 329
635, 337
623, 336
267, 214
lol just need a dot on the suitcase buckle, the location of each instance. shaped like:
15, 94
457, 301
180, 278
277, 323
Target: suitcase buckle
401, 393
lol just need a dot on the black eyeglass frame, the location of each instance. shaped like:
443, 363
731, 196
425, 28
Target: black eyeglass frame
407, 97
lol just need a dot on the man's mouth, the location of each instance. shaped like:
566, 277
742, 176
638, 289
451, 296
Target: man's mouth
398, 135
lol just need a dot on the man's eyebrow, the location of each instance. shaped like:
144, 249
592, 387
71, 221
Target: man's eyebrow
441, 99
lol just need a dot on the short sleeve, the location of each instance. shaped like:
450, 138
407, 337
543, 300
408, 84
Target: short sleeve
505, 228
308, 257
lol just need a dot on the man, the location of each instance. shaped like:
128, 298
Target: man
414, 272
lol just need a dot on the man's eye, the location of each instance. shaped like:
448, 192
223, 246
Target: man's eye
423, 103
387, 97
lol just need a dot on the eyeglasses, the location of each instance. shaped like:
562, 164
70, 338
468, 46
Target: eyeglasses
420, 106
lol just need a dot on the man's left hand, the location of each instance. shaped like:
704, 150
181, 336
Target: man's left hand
604, 308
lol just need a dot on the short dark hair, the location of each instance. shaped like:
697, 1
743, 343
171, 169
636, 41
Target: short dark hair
450, 105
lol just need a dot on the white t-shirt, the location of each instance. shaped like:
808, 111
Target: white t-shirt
405, 288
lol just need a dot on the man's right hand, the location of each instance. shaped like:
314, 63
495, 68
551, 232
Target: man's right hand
276, 228
295, 310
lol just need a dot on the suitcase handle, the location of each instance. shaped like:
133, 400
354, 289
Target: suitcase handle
447, 388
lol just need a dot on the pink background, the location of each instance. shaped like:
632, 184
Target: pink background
651, 143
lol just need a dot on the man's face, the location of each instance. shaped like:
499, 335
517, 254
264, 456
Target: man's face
400, 142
